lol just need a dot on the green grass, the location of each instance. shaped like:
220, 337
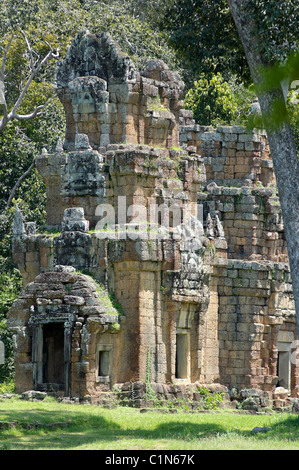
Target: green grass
95, 428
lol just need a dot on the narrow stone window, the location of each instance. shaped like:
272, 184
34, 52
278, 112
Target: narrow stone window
171, 219
284, 344
283, 369
103, 362
159, 218
182, 355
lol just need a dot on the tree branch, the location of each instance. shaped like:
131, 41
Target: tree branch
35, 69
32, 63
37, 112
5, 119
4, 59
26, 117
33, 74
18, 184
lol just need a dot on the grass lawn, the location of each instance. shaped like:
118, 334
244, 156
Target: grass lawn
95, 428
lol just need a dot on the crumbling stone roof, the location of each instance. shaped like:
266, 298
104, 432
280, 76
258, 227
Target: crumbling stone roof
64, 295
95, 55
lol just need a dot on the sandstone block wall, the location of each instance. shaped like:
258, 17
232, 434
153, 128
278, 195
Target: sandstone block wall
255, 303
252, 221
233, 155
255, 300
196, 292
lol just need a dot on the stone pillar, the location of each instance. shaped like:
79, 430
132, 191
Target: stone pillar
37, 355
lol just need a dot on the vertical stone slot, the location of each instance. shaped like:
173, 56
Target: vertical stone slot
283, 369
103, 363
182, 356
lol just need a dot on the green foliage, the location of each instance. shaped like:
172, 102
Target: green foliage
212, 401
212, 101
204, 35
293, 110
8, 386
151, 11
244, 96
271, 78
128, 27
20, 143
57, 22
216, 101
45, 25
10, 286
105, 299
276, 26
116, 304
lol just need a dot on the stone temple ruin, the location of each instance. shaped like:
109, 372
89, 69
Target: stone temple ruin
164, 258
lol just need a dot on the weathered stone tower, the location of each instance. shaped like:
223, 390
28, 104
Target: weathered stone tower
164, 258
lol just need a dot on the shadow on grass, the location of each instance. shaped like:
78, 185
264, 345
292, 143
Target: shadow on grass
87, 429
93, 427
287, 429
283, 430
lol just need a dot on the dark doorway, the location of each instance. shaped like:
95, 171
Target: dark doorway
53, 353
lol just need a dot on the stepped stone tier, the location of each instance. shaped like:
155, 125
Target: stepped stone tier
164, 258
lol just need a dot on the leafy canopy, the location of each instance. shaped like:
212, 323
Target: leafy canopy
215, 101
276, 26
204, 35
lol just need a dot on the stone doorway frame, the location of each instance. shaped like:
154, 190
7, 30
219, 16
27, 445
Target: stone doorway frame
37, 322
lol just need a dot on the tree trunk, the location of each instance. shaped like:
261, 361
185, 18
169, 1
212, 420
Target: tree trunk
280, 137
